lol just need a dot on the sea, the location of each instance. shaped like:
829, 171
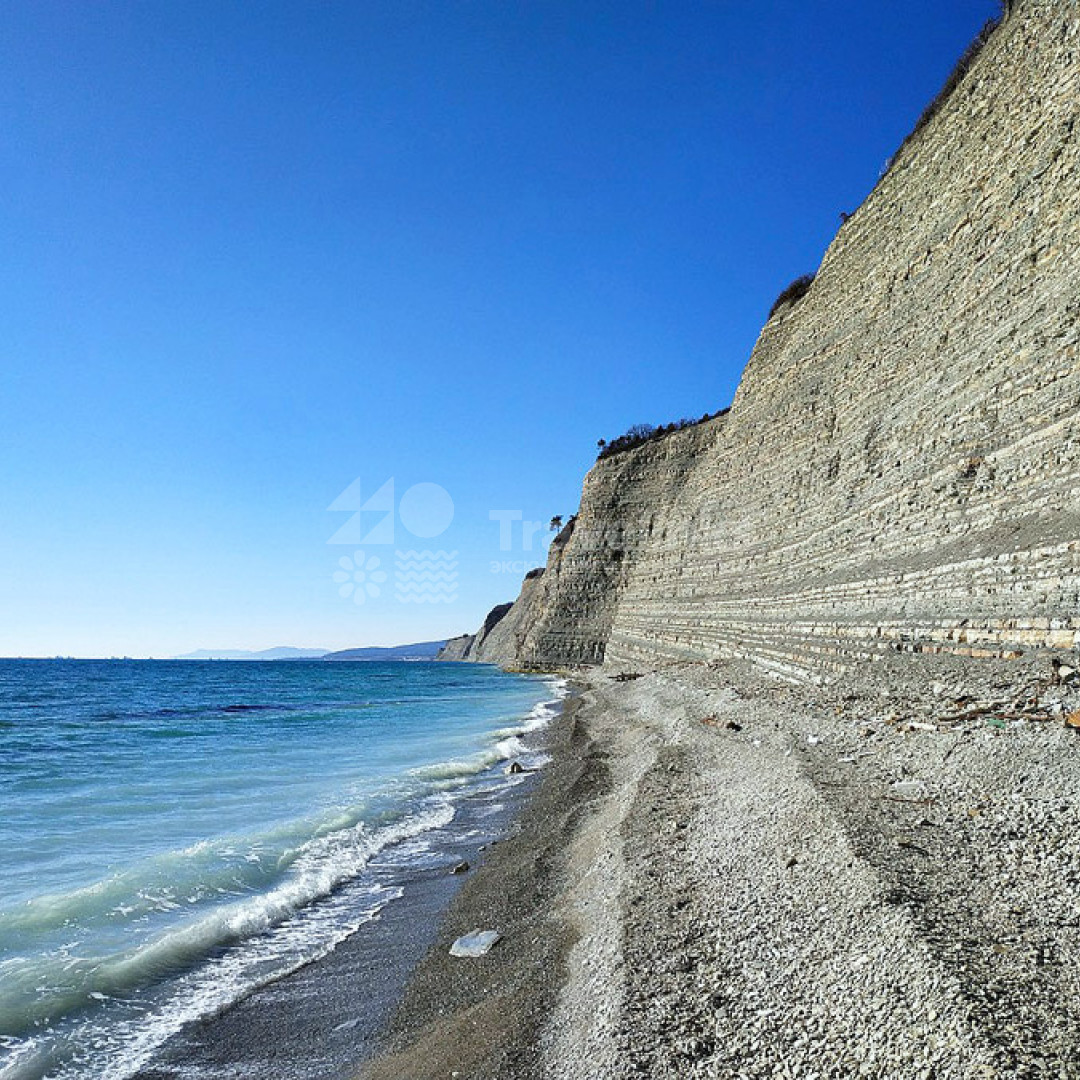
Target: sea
176, 834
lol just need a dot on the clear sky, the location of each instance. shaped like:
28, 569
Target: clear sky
258, 253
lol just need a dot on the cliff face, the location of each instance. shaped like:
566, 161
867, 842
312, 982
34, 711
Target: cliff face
595, 561
500, 639
457, 648
901, 464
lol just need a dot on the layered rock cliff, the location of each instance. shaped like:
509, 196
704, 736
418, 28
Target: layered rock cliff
500, 640
900, 468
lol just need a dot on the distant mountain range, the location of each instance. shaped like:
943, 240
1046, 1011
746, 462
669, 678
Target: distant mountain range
421, 650
281, 652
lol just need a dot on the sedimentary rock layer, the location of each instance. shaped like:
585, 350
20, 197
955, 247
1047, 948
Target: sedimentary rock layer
500, 639
901, 464
457, 648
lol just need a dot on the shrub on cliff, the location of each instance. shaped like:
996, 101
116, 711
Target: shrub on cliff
494, 617
564, 535
643, 433
956, 76
635, 436
793, 293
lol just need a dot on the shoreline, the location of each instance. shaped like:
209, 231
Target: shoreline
326, 1017
478, 1018
720, 874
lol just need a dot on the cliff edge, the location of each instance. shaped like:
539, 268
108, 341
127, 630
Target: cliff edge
900, 468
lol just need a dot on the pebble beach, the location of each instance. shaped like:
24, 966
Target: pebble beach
721, 875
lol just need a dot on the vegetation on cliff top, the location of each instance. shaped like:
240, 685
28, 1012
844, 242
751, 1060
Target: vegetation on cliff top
801, 285
956, 76
640, 434
494, 617
643, 433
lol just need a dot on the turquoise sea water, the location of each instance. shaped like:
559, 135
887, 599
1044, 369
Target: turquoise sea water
175, 833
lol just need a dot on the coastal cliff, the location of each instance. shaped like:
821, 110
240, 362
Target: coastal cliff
900, 468
501, 639
813, 811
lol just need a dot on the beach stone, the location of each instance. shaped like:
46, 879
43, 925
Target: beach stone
908, 788
460, 868
478, 943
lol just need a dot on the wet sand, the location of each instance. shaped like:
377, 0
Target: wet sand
481, 1018
324, 1020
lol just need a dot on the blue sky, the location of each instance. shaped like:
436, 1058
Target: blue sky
258, 253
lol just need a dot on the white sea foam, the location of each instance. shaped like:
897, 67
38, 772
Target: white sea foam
321, 865
261, 906
508, 744
281, 931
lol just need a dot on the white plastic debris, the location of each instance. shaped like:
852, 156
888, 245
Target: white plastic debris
478, 943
